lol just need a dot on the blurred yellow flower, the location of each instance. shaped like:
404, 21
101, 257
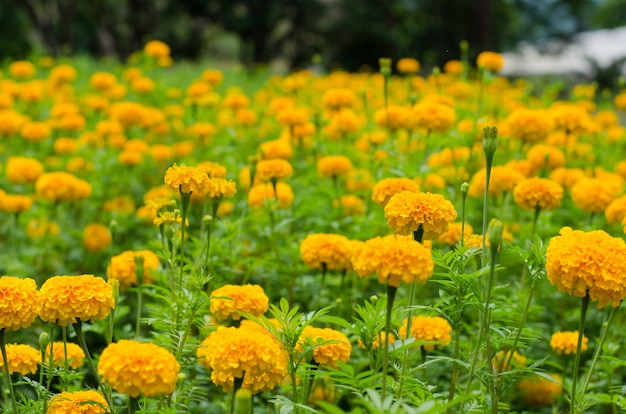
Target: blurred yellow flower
565, 342
427, 329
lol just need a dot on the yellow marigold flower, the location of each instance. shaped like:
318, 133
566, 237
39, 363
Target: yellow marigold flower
546, 156
18, 302
337, 350
221, 187
135, 368
213, 169
96, 237
350, 205
276, 148
64, 299
433, 116
40, 227
23, 170
616, 210
394, 117
567, 177
213, 77
75, 354
571, 118
388, 187
538, 391
428, 329
453, 235
391, 338
62, 186
120, 204
537, 192
338, 98
326, 251
22, 69
393, 259
228, 300
529, 125
236, 100
566, 342
593, 194
102, 81
593, 263
15, 203
35, 131
244, 353
490, 61
453, 67
187, 179
122, 267
275, 169
408, 66
261, 192
22, 358
503, 179
78, 402
334, 166
502, 357
407, 211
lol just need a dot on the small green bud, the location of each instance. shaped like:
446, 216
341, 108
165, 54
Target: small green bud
464, 188
436, 71
373, 298
385, 66
44, 340
243, 401
181, 376
207, 219
490, 141
464, 45
494, 230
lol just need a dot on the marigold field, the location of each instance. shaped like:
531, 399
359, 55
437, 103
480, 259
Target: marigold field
181, 239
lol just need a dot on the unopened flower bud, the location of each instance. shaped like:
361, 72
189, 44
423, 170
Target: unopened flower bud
494, 230
464, 188
385, 66
490, 141
243, 401
44, 340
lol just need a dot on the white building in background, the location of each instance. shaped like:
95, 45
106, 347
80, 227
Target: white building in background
581, 56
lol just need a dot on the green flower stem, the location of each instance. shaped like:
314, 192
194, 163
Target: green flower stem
311, 379
185, 199
391, 295
509, 360
237, 385
596, 354
133, 404
455, 366
78, 328
139, 271
581, 332
409, 321
65, 364
7, 374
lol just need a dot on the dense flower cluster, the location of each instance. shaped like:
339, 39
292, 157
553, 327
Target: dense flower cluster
567, 342
135, 368
78, 402
407, 211
228, 300
18, 302
588, 263
123, 267
538, 193
338, 348
427, 329
326, 251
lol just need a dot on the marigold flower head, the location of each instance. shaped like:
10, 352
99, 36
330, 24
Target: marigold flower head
22, 69
571, 118
453, 235
23, 170
135, 368
567, 177
338, 98
275, 169
393, 117
393, 259
40, 226
408, 66
407, 211
102, 81
537, 192
545, 156
350, 205
78, 402
588, 263
616, 210
428, 329
123, 267
18, 302
326, 251
453, 67
538, 391
96, 237
187, 179
261, 192
593, 194
15, 203
334, 166
501, 358
75, 354
221, 187
244, 353
388, 187
503, 179
156, 49
566, 342
337, 350
491, 61
228, 300
433, 116
62, 186
64, 299
22, 358
276, 148
213, 169
529, 125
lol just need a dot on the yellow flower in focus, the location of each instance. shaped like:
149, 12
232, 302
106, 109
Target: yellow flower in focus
243, 353
64, 299
78, 402
566, 342
122, 267
22, 358
187, 179
490, 61
156, 49
594, 194
136, 368
334, 166
228, 300
326, 252
538, 391
96, 237
261, 192
428, 329
337, 350
535, 192
388, 187
588, 263
75, 354
408, 66
407, 211
275, 169
18, 302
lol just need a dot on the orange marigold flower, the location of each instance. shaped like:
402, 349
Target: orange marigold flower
187, 179
433, 116
276, 148
545, 156
338, 98
337, 350
407, 211
529, 125
122, 267
588, 263
502, 357
96, 237
616, 210
23, 170
535, 192
394, 117
64, 299
213, 169
82, 402
326, 252
571, 118
18, 302
567, 177
453, 235
388, 187
334, 166
503, 179
351, 205
22, 358
538, 391
427, 329
408, 66
135, 368
228, 300
15, 203
22, 69
75, 354
156, 49
261, 192
62, 186
566, 342
491, 61
593, 194
393, 259
244, 353
453, 67
275, 169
